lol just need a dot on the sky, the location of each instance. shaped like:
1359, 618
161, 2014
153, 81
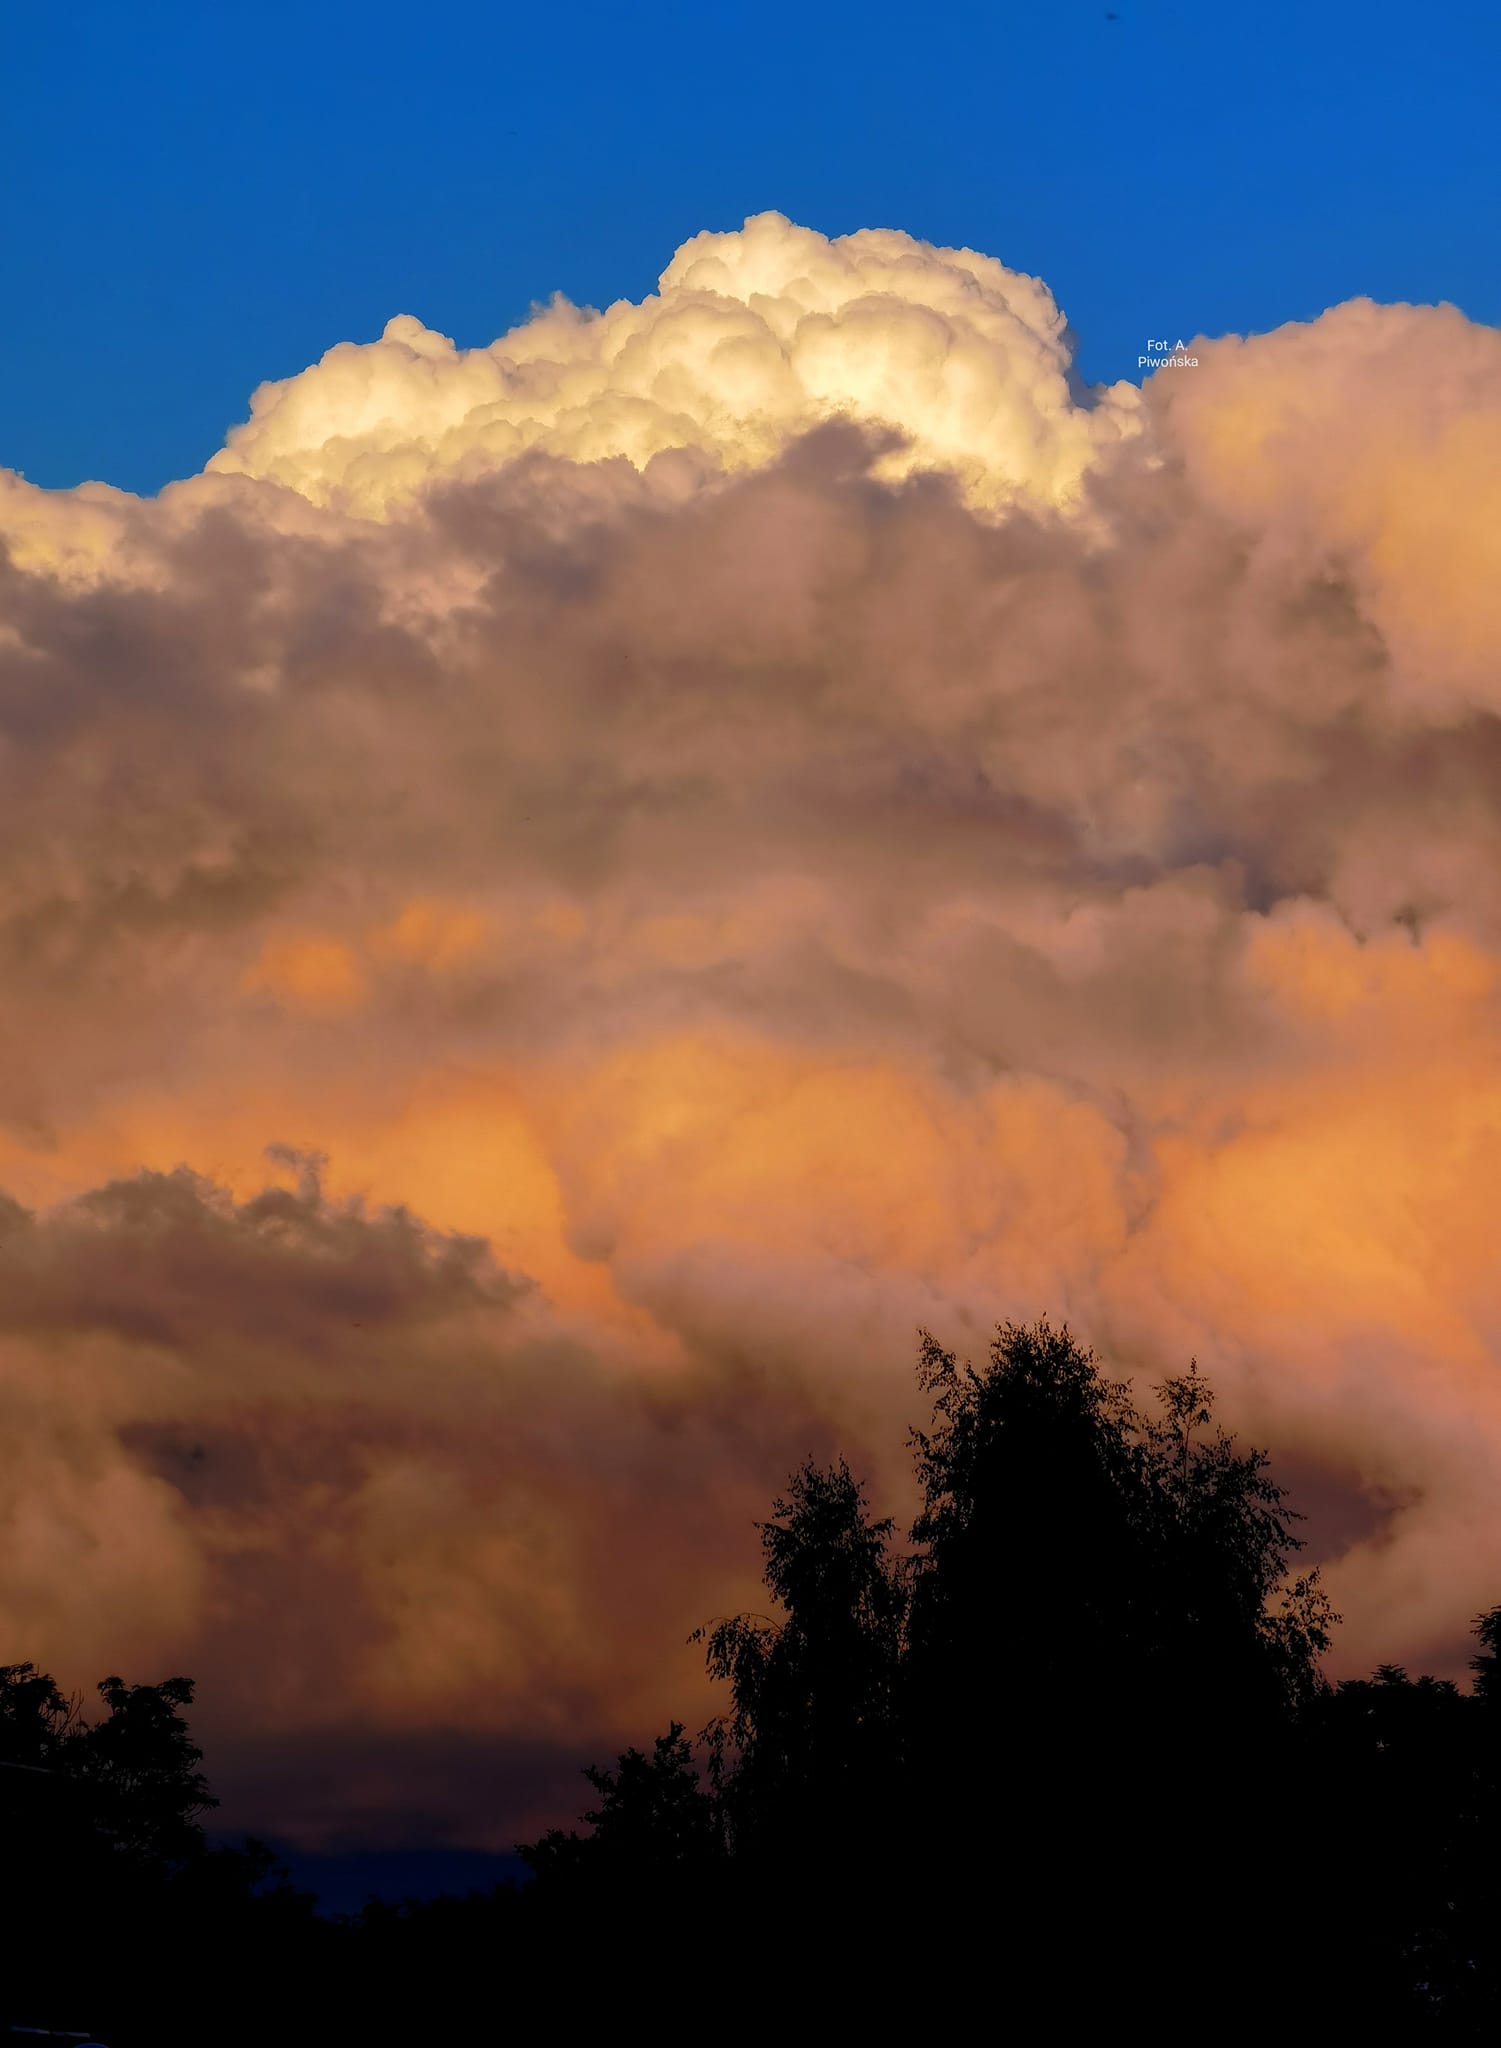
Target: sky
197, 198
581, 874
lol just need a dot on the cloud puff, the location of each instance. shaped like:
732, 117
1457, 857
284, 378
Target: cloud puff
1411, 398
751, 338
788, 825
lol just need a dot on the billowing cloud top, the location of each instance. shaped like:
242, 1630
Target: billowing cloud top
751, 339
710, 834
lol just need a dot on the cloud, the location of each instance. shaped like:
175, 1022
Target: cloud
375, 1481
751, 339
1410, 397
732, 827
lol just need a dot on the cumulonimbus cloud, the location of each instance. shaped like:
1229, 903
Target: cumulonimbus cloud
751, 339
734, 826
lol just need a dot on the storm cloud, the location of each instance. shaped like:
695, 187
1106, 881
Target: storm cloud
710, 834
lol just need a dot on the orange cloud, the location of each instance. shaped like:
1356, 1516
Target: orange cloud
437, 936
732, 827
320, 975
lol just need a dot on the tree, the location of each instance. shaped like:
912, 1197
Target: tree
1026, 1548
35, 1718
1486, 1663
1409, 1821
1072, 1553
1234, 1625
653, 1824
1107, 1656
111, 1899
132, 1776
806, 1756
140, 1765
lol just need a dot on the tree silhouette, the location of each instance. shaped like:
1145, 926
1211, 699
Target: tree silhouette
146, 1793
654, 1825
115, 1910
136, 1769
1069, 1753
810, 1745
1063, 1534
1486, 1664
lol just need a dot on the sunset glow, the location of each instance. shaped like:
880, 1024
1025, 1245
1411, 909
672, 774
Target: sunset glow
705, 835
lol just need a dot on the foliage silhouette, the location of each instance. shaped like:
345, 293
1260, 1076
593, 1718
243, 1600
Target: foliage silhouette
1067, 1751
799, 1762
653, 1825
105, 1872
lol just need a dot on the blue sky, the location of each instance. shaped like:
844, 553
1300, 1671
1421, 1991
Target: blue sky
198, 198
